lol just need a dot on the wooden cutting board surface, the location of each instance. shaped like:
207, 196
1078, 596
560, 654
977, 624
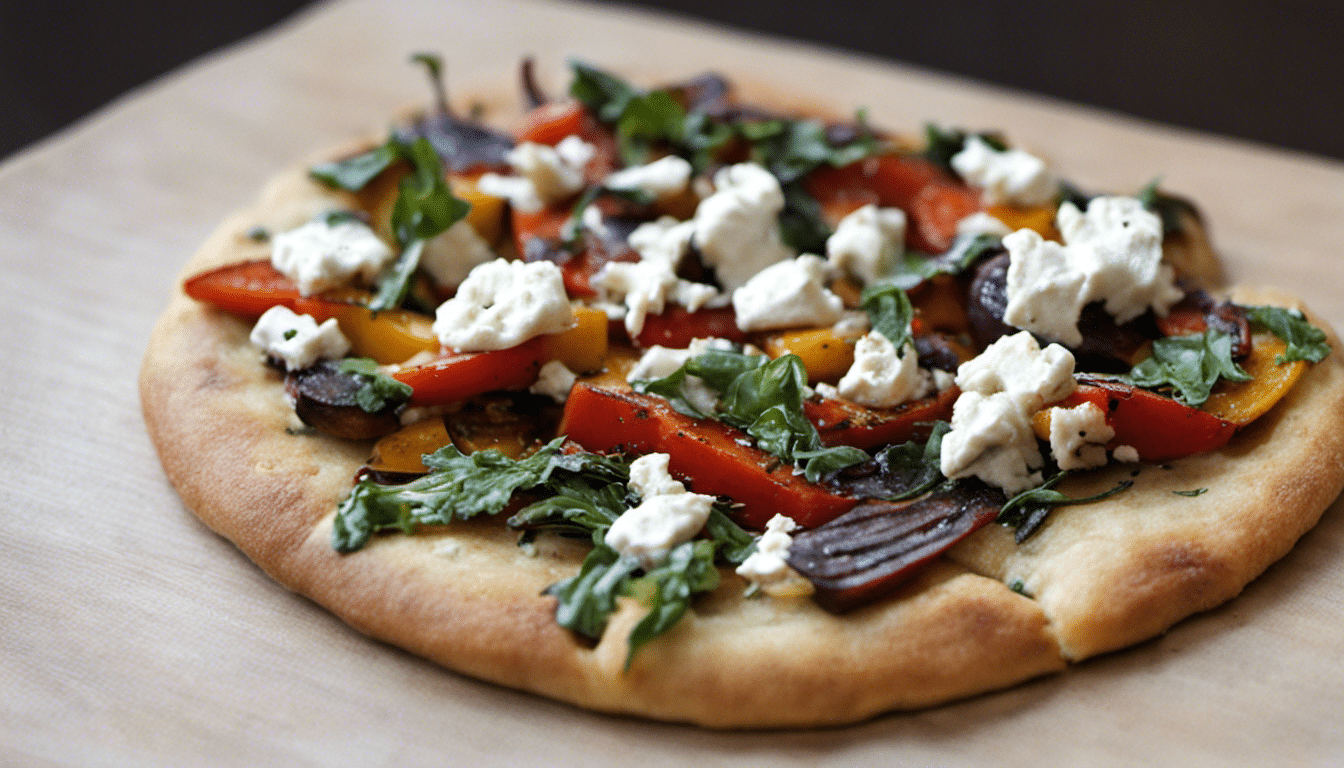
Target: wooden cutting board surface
132, 635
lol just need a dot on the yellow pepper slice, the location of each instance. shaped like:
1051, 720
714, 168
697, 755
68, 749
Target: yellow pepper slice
826, 354
1242, 402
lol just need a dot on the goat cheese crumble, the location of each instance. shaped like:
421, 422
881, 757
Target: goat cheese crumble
451, 255
882, 377
768, 569
1010, 177
867, 242
667, 514
1078, 436
991, 436
319, 256
297, 340
503, 303
737, 227
545, 174
788, 294
1111, 253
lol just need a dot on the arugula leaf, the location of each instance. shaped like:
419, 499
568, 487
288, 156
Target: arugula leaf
425, 205
379, 390
1189, 364
459, 486
395, 282
763, 398
734, 544
604, 93
667, 590
354, 173
1026, 511
647, 119
889, 311
1305, 341
914, 267
790, 149
587, 600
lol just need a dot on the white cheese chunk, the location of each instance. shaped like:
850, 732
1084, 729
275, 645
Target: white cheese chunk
319, 256
1078, 436
645, 287
545, 174
298, 340
665, 177
666, 516
768, 569
981, 223
1016, 364
503, 303
649, 476
554, 380
788, 294
1011, 177
992, 439
991, 435
665, 239
1126, 453
882, 378
451, 255
867, 242
737, 227
1112, 253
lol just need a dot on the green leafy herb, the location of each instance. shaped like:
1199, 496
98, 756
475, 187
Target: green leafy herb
379, 390
572, 229
1019, 587
291, 333
459, 486
354, 173
1026, 511
1305, 341
802, 226
942, 144
918, 465
334, 218
587, 600
433, 64
602, 92
258, 234
915, 267
1190, 365
889, 310
1191, 493
648, 119
425, 206
763, 398
667, 590
1169, 208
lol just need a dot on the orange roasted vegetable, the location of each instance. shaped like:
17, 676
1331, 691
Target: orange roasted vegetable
1242, 402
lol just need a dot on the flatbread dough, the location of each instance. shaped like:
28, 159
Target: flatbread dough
1100, 576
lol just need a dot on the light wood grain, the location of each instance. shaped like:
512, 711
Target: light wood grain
132, 635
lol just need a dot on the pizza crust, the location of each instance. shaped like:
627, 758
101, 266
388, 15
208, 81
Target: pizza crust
1102, 576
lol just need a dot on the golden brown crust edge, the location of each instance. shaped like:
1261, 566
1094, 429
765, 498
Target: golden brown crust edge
219, 421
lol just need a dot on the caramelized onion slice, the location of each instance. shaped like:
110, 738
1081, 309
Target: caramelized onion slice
867, 552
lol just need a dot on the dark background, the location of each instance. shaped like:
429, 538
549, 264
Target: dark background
1268, 71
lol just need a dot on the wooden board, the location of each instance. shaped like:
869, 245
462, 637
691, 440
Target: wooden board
133, 635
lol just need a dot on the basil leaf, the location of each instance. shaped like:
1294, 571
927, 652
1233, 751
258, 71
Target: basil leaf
576, 506
354, 173
667, 590
587, 600
889, 311
734, 544
648, 119
395, 283
802, 226
379, 390
763, 398
918, 465
600, 91
1191, 365
1305, 341
425, 206
1027, 511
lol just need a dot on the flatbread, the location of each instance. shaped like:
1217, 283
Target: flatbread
1096, 578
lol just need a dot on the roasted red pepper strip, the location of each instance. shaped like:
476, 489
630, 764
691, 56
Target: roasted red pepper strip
1159, 428
457, 377
841, 422
706, 453
250, 288
677, 326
